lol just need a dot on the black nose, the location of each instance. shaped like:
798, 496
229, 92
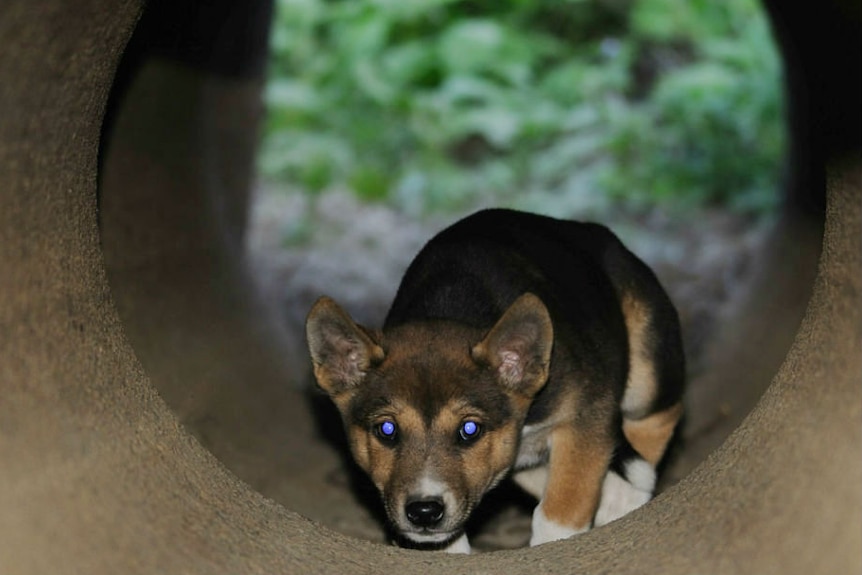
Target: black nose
425, 512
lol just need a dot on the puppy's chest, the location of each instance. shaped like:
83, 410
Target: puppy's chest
533, 449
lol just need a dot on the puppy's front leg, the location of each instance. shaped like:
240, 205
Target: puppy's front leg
576, 468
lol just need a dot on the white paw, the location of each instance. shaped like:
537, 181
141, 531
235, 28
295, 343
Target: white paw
545, 530
620, 497
460, 545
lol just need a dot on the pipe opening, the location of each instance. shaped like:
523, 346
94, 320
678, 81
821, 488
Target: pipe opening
214, 265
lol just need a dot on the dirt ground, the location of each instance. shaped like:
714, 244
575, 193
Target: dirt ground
356, 254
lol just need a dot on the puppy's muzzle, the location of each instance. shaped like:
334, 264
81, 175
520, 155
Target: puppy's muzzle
425, 513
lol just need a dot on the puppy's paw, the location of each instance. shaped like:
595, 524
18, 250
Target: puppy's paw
460, 545
621, 496
545, 530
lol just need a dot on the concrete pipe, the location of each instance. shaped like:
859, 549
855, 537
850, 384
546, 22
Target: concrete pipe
146, 403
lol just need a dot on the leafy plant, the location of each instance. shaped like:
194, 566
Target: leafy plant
440, 104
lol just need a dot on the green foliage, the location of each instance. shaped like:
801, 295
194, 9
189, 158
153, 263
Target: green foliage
439, 104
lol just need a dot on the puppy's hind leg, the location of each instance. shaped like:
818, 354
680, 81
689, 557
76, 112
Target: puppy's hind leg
629, 484
651, 407
631, 481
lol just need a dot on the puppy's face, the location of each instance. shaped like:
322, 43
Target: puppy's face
432, 429
433, 410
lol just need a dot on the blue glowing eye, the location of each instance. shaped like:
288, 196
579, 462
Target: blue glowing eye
469, 430
386, 429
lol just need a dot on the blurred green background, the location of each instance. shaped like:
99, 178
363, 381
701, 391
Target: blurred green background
438, 106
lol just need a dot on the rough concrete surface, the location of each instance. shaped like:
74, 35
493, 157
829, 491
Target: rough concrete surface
150, 446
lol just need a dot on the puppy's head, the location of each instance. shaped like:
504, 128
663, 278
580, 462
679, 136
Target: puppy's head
433, 409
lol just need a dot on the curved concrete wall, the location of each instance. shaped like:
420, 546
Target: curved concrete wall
98, 475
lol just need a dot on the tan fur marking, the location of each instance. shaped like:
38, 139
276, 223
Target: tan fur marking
480, 465
576, 469
650, 435
641, 387
377, 459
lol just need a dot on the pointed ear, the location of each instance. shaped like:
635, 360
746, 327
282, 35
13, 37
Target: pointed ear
519, 346
341, 350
